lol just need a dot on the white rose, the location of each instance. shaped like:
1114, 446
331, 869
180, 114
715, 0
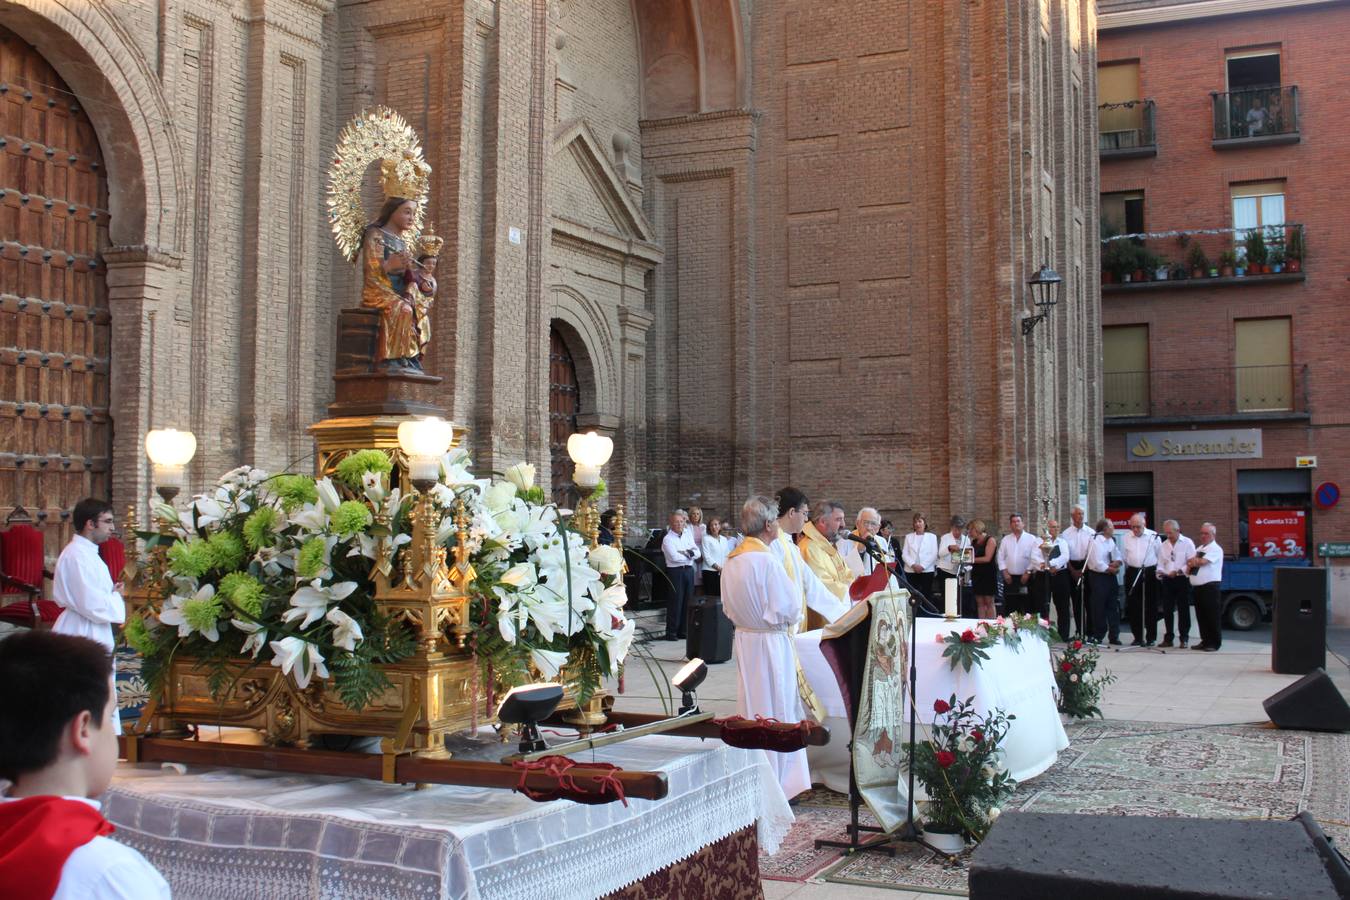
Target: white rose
521, 475
499, 496
1073, 678
606, 560
994, 813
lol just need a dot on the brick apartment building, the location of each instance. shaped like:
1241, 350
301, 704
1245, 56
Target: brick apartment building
757, 243
1226, 398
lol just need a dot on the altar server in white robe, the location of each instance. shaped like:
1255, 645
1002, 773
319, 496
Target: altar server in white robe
765, 606
82, 586
794, 512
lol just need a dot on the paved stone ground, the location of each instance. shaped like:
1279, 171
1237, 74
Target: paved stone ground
1181, 686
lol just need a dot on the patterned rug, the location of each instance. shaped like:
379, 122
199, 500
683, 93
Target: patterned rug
1110, 768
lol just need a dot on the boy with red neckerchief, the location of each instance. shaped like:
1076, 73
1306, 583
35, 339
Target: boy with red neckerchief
58, 747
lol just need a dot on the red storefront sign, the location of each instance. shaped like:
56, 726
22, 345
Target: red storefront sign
1120, 518
1277, 533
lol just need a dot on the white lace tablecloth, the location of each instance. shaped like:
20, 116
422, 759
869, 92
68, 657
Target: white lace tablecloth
1018, 681
225, 833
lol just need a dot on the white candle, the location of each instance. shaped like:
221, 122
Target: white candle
949, 601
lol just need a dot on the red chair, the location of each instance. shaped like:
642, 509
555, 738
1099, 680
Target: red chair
22, 572
114, 555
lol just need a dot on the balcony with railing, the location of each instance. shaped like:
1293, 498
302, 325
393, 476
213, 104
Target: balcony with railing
1255, 116
1203, 258
1174, 396
1126, 130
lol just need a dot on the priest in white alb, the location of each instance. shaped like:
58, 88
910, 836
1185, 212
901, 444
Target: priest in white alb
820, 605
765, 605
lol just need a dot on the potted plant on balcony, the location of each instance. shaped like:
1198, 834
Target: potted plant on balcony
1227, 263
1197, 260
1294, 248
1120, 259
1276, 261
1257, 252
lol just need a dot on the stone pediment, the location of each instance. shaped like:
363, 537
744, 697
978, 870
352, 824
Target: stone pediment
588, 192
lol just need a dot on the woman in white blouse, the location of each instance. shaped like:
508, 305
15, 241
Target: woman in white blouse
716, 546
699, 529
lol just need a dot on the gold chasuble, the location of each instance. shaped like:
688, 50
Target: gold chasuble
814, 708
824, 559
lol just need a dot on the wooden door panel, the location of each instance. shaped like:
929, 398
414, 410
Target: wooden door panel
55, 431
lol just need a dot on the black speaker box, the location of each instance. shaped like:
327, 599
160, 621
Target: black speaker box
1034, 856
1298, 640
710, 632
1310, 704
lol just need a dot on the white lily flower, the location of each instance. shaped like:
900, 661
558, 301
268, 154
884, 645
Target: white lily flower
521, 475
300, 655
499, 496
609, 607
372, 483
175, 613
257, 636
328, 495
521, 576
607, 560
617, 644
209, 510
346, 632
311, 518
548, 661
455, 468
312, 601
507, 617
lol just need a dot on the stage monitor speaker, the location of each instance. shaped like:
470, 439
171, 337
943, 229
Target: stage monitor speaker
1298, 640
1310, 704
710, 632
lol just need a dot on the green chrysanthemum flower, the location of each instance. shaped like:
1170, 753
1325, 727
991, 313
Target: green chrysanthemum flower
353, 467
259, 527
294, 490
309, 562
192, 559
201, 614
138, 636
244, 591
227, 550
351, 516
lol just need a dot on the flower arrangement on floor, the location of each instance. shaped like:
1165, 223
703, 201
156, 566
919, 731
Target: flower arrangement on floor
1080, 691
282, 568
966, 648
959, 768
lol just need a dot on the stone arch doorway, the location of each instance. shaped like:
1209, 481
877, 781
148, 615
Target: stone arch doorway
564, 405
55, 422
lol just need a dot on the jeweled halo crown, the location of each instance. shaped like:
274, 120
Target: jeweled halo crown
432, 243
405, 176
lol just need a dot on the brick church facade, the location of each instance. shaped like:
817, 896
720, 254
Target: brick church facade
755, 242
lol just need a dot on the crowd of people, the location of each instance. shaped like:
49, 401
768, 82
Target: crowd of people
1073, 574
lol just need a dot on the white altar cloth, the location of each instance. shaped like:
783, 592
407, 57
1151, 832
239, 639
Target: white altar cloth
1019, 682
226, 833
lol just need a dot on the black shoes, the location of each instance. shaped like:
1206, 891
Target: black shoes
1136, 643
1116, 642
1166, 642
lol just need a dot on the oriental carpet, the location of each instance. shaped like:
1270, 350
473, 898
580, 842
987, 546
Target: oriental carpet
1110, 768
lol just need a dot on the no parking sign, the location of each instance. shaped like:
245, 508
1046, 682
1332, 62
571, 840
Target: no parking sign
1327, 495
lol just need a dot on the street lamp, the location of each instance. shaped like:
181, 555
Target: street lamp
425, 441
169, 451
590, 452
1044, 295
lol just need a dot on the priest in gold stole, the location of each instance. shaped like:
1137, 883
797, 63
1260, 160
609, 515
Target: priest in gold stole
765, 605
817, 544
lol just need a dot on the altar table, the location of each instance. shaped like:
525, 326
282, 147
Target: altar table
1018, 681
226, 833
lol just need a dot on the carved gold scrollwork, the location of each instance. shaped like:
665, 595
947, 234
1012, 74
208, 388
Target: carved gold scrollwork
283, 721
252, 692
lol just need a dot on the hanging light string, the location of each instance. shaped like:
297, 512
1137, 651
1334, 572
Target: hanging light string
1144, 235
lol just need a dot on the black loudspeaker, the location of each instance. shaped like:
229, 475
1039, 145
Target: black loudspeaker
710, 632
1298, 640
1310, 704
1031, 856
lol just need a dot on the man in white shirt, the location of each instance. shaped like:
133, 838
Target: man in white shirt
1141, 578
1058, 579
765, 605
1103, 562
1173, 583
59, 749
1079, 538
950, 547
819, 604
91, 603
1206, 568
682, 555
919, 555
1019, 557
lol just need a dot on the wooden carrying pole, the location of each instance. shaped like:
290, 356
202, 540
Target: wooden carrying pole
702, 726
407, 769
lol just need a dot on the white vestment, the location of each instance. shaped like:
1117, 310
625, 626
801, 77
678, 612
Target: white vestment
765, 606
809, 586
90, 604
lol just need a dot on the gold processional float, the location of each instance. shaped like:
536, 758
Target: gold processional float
384, 401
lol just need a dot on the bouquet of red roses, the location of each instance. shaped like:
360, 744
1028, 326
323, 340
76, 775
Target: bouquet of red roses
1079, 689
